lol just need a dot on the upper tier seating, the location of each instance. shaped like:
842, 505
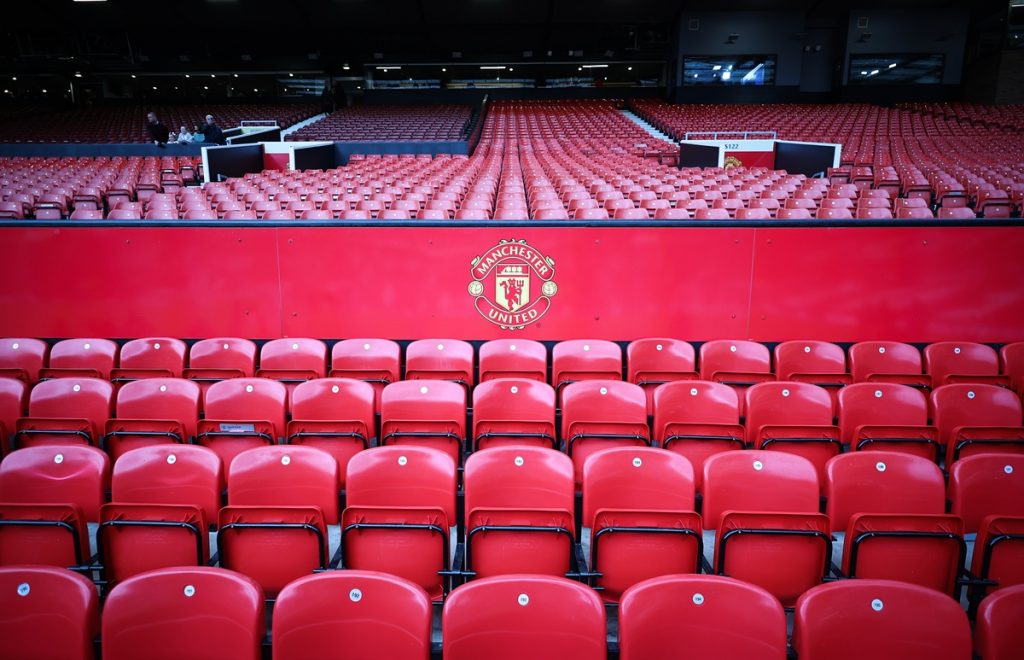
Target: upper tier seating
387, 123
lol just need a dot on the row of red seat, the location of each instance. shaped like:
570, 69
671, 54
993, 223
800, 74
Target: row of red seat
128, 123
366, 614
639, 516
390, 123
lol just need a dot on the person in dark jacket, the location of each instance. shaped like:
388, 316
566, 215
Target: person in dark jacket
212, 133
157, 132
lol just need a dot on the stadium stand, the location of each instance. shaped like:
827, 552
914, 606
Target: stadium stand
387, 123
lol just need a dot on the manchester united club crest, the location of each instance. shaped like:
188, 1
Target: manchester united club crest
512, 284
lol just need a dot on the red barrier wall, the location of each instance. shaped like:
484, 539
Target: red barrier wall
840, 284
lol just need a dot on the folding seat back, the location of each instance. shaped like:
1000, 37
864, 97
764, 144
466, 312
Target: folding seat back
585, 359
440, 359
164, 498
224, 611
519, 512
879, 619
638, 506
65, 411
401, 513
152, 411
1012, 356
48, 494
998, 553
986, 485
887, 362
375, 361
792, 417
81, 358
998, 634
513, 358
962, 362
521, 616
886, 417
655, 361
293, 360
22, 358
695, 616
866, 482
513, 411
280, 501
697, 419
820, 363
242, 413
151, 357
13, 404
597, 414
977, 418
431, 413
334, 415
738, 364
48, 613
764, 508
220, 358
371, 614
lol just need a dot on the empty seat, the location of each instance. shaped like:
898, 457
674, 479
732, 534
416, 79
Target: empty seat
440, 359
962, 362
887, 417
163, 501
513, 358
220, 358
585, 359
519, 512
65, 411
986, 485
887, 362
152, 411
280, 501
764, 508
977, 418
655, 361
695, 616
739, 364
354, 613
697, 419
48, 613
400, 514
513, 411
638, 513
375, 361
23, 358
1012, 356
792, 417
998, 553
519, 616
48, 494
431, 413
820, 363
597, 414
880, 619
151, 357
293, 360
242, 413
81, 358
223, 611
334, 415
998, 634
892, 508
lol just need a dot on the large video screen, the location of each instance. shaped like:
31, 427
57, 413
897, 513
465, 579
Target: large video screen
903, 69
732, 70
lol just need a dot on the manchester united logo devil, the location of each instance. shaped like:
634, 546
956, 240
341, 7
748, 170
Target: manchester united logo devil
506, 282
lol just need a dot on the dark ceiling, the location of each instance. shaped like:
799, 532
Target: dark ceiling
179, 35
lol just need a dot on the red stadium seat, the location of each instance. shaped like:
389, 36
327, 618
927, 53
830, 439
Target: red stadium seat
998, 634
986, 485
962, 362
65, 411
429, 413
13, 406
224, 611
440, 359
655, 361
23, 358
582, 359
241, 414
738, 364
513, 358
151, 357
152, 411
513, 411
597, 414
293, 360
887, 362
220, 358
375, 361
49, 613
974, 419
82, 358
887, 417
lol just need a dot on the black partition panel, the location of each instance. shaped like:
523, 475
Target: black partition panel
698, 155
317, 157
234, 160
807, 159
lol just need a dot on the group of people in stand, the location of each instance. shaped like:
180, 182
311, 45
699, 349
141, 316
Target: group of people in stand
208, 133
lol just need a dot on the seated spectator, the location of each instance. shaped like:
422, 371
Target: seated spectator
211, 131
184, 137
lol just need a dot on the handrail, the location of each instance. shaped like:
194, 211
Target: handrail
731, 135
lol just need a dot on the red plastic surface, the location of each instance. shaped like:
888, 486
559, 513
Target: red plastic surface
48, 613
